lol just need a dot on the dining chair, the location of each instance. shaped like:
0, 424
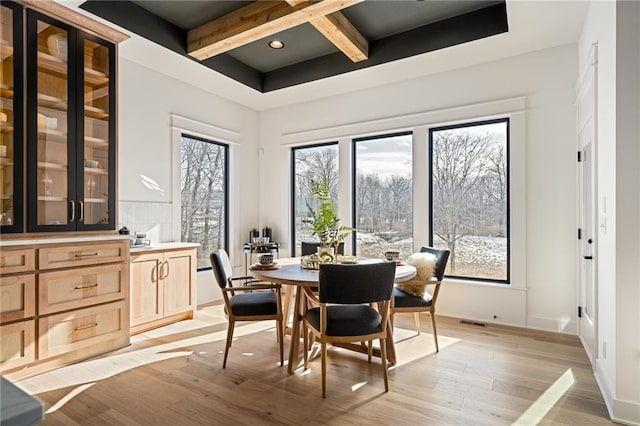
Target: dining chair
253, 301
344, 313
307, 248
405, 302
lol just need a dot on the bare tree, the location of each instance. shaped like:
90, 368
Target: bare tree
459, 161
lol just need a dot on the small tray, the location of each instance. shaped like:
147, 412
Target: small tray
261, 267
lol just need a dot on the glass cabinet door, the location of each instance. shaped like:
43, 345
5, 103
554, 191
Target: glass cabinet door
97, 151
51, 130
11, 146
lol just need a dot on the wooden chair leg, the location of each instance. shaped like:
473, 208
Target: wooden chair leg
383, 358
416, 318
433, 327
369, 350
305, 345
323, 345
232, 325
280, 332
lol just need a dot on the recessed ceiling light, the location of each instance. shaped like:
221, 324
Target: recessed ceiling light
276, 44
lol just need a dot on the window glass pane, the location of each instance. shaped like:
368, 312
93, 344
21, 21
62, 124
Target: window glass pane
204, 195
383, 195
311, 164
469, 202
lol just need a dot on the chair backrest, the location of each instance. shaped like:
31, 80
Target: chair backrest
307, 248
361, 283
442, 257
221, 266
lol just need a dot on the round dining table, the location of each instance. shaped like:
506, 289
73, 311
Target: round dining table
290, 273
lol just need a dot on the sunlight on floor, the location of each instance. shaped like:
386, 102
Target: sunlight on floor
129, 358
68, 397
357, 386
536, 412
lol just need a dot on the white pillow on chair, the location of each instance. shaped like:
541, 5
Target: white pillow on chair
425, 264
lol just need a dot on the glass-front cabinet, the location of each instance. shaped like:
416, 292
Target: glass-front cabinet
11, 118
70, 128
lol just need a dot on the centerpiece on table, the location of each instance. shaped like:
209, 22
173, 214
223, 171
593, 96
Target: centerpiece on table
325, 223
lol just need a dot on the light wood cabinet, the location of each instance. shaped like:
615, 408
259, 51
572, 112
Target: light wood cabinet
72, 304
163, 287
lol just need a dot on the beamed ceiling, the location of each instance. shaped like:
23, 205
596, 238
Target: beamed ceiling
321, 38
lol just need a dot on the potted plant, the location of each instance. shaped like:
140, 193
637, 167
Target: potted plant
325, 221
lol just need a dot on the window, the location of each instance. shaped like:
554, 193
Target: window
312, 163
383, 194
204, 183
469, 198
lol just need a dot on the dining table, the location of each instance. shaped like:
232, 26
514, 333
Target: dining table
290, 273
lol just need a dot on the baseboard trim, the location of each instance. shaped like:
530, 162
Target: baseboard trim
559, 325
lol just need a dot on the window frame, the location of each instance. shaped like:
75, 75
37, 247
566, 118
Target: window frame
354, 180
292, 176
225, 147
465, 124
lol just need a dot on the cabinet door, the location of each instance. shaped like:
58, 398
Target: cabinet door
18, 299
178, 272
11, 107
51, 125
145, 288
17, 344
96, 129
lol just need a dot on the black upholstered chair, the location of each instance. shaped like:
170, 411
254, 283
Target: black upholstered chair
246, 302
307, 248
405, 302
344, 313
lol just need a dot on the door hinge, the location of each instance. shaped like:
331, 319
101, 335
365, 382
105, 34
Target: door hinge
579, 233
579, 311
580, 156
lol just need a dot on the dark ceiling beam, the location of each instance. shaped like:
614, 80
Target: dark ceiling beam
339, 31
253, 22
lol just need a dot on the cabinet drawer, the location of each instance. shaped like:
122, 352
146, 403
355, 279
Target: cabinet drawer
81, 255
19, 260
17, 344
17, 297
79, 288
77, 330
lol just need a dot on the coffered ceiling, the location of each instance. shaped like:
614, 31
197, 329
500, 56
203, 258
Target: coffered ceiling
321, 38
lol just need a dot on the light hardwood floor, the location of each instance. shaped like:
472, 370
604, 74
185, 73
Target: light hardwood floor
490, 375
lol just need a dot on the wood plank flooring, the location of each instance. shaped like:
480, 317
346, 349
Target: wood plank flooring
490, 375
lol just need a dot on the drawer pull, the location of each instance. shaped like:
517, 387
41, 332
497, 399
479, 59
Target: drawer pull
86, 254
80, 287
84, 327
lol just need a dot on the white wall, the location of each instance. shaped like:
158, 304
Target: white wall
149, 103
614, 27
544, 293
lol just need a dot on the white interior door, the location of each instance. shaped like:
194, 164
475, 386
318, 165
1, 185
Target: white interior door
587, 276
587, 197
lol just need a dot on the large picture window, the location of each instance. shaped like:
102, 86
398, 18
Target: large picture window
383, 194
469, 198
313, 163
204, 194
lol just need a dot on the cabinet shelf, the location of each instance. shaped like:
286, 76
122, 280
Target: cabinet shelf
52, 166
96, 93
95, 200
92, 142
95, 171
6, 162
6, 126
6, 91
6, 49
55, 65
94, 112
52, 135
51, 102
49, 198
